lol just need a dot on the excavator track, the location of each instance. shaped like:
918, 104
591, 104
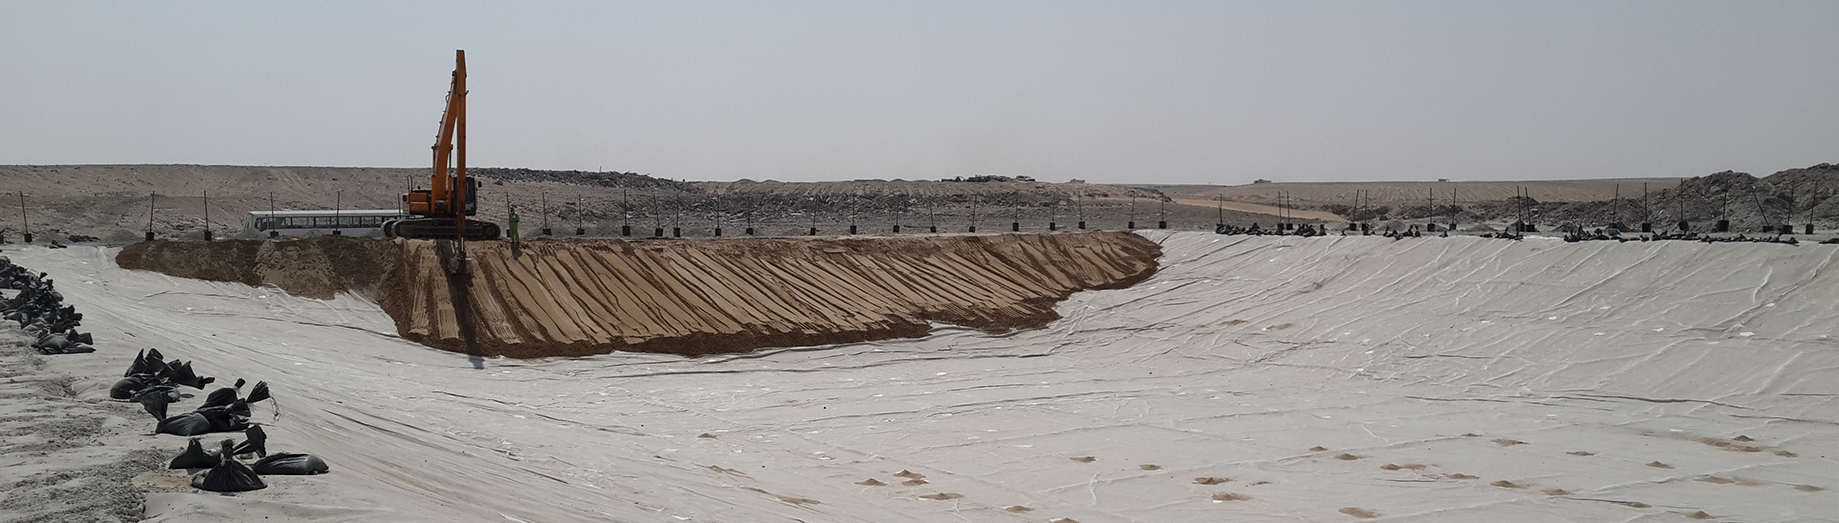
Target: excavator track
439, 229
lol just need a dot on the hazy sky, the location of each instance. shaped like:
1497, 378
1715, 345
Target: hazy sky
1163, 92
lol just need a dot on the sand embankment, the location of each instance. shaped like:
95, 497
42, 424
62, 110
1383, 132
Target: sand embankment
579, 297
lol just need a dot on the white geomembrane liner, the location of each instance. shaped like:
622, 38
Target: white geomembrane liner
1455, 380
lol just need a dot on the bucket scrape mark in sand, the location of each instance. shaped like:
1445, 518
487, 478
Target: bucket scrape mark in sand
1280, 326
1084, 459
1658, 465
1808, 488
1348, 457
1230, 496
871, 482
1210, 480
1507, 484
914, 482
1407, 466
904, 473
1235, 322
1149, 467
1717, 480
1017, 509
1508, 442
943, 496
1581, 453
1359, 512
787, 499
1700, 515
1460, 475
1557, 492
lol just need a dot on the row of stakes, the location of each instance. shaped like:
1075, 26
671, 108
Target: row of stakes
1684, 226
1722, 225
677, 232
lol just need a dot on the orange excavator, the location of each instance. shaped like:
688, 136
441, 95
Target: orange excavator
439, 212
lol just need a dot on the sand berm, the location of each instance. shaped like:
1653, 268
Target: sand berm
593, 296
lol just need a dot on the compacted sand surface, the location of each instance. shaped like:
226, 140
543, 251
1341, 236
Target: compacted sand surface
1249, 379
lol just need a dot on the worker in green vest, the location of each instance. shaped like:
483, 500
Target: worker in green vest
516, 250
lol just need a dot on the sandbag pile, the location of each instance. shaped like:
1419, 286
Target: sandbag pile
153, 383
40, 310
1304, 230
222, 411
1599, 235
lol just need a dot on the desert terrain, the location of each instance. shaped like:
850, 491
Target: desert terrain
117, 203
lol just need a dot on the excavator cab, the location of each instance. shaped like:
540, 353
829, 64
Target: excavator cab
422, 202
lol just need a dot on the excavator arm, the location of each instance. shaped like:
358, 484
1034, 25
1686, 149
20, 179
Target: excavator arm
440, 211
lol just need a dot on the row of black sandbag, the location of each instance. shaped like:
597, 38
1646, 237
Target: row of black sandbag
224, 472
40, 310
153, 382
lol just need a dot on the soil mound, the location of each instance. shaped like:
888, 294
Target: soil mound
580, 297
315, 268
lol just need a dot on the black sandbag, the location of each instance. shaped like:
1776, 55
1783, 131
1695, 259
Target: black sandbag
195, 457
189, 424
204, 421
236, 408
126, 387
257, 443
59, 344
228, 476
259, 392
155, 399
228, 419
291, 464
223, 395
155, 361
139, 366
182, 374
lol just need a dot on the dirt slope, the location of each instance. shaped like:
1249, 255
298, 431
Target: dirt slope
565, 298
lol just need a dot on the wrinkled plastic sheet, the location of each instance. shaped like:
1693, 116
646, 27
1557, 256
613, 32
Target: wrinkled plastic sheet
1461, 379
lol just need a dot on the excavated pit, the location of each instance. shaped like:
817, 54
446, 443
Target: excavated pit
581, 297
